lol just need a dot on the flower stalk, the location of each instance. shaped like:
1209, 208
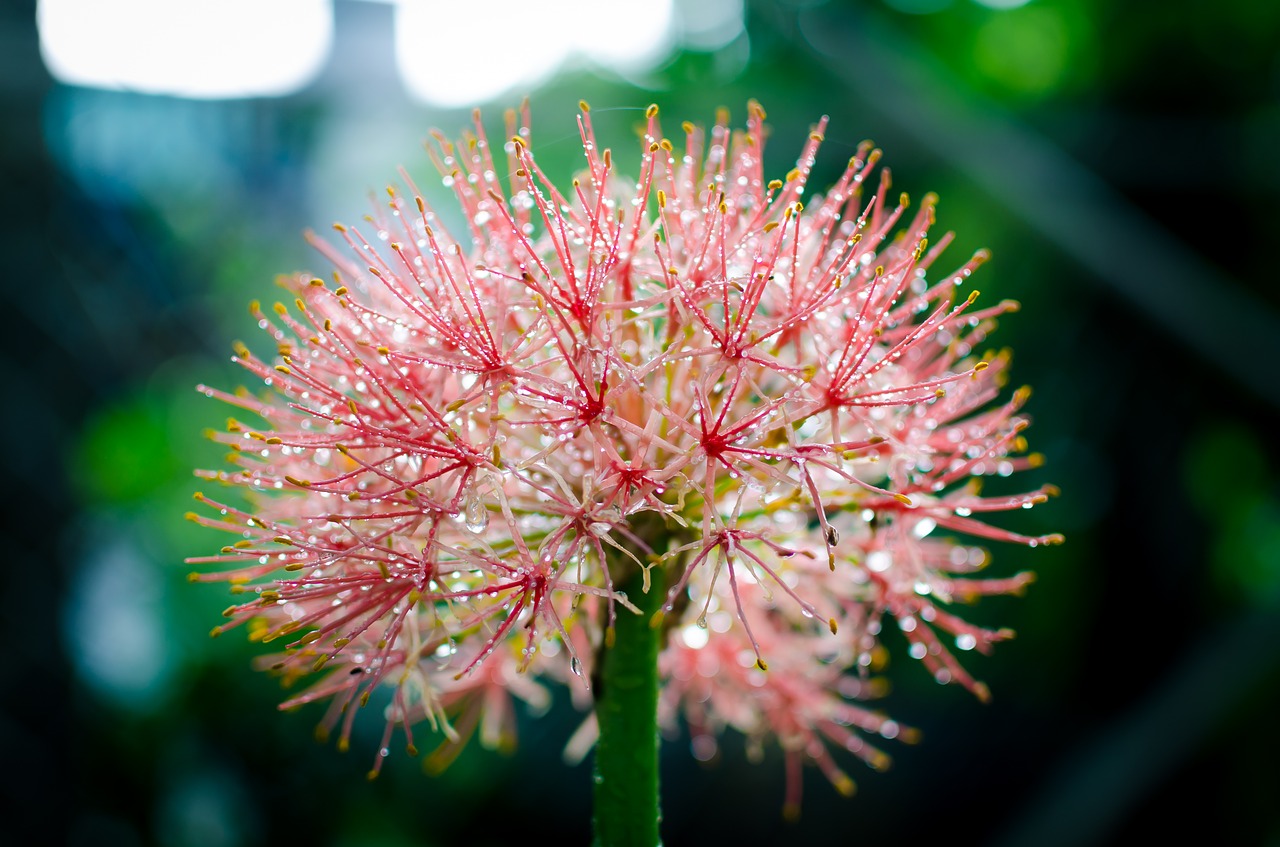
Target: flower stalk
626, 760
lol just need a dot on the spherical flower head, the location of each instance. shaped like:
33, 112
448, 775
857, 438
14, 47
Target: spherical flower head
475, 432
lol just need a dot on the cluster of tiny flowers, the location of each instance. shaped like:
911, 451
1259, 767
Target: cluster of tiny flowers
469, 438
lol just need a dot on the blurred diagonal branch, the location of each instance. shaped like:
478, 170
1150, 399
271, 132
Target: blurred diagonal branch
1070, 206
1084, 797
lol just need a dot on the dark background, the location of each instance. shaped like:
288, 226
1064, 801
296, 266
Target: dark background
1120, 160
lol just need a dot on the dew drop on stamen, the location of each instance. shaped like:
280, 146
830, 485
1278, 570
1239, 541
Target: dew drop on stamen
475, 517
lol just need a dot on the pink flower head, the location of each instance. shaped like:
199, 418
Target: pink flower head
674, 363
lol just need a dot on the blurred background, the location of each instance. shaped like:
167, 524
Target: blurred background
160, 161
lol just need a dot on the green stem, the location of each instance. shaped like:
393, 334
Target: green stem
626, 761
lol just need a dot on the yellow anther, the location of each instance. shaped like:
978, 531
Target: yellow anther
339, 227
652, 111
665, 145
762, 665
301, 483
770, 226
793, 174
774, 184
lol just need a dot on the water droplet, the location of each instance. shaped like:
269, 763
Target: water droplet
475, 516
923, 527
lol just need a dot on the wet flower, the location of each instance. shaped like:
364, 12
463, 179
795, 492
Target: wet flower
484, 424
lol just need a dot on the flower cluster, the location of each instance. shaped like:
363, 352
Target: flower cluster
470, 438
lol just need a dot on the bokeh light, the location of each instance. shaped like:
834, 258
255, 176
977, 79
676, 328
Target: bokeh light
187, 48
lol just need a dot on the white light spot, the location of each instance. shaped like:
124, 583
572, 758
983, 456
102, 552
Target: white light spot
694, 636
187, 48
445, 68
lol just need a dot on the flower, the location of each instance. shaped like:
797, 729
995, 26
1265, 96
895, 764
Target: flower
471, 436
